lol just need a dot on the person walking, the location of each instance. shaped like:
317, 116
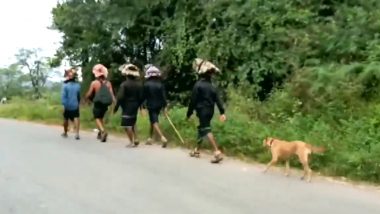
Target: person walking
70, 97
129, 98
102, 95
155, 98
203, 99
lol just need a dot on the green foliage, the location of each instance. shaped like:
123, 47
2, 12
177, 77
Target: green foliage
254, 41
11, 81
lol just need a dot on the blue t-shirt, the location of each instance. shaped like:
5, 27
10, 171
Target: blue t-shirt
71, 95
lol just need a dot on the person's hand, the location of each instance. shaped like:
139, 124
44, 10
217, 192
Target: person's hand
222, 118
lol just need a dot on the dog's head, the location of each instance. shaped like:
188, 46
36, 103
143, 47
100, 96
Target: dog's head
268, 141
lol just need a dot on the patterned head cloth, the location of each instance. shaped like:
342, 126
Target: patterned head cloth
202, 66
100, 70
151, 71
129, 69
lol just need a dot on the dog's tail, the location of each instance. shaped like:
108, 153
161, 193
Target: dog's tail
315, 149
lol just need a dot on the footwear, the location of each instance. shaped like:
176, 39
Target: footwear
77, 137
136, 142
195, 153
64, 135
99, 136
218, 156
131, 145
164, 142
149, 141
104, 136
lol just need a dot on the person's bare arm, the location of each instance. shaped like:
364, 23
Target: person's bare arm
111, 90
90, 91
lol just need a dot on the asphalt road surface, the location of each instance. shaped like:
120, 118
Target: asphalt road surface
40, 172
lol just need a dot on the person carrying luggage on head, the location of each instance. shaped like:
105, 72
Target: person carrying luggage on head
155, 98
129, 98
203, 99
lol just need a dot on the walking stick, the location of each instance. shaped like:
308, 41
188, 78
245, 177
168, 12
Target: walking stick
176, 131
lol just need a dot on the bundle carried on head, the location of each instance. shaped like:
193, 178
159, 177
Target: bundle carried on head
100, 70
151, 71
129, 70
202, 66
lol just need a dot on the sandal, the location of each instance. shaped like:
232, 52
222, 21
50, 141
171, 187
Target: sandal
218, 156
149, 141
195, 154
104, 136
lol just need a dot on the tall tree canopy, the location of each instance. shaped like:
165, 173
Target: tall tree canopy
253, 41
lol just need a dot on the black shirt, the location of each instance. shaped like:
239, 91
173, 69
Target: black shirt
154, 94
130, 96
204, 96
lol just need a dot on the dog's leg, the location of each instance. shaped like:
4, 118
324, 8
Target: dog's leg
306, 167
287, 168
272, 162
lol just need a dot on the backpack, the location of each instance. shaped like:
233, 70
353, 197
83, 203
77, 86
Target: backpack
103, 96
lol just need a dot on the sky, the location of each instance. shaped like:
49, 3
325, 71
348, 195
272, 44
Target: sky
24, 24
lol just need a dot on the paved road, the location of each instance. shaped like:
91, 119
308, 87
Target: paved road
42, 173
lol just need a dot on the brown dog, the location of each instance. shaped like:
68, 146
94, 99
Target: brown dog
283, 150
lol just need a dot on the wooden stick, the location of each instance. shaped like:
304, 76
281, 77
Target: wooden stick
176, 131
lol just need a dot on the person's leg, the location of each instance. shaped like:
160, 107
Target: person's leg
77, 127
205, 123
212, 141
196, 153
65, 127
130, 134
153, 116
136, 139
151, 131
158, 130
76, 123
103, 132
65, 123
218, 156
201, 134
129, 122
152, 128
150, 139
100, 123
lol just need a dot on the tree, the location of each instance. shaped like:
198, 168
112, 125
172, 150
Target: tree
37, 68
254, 42
10, 84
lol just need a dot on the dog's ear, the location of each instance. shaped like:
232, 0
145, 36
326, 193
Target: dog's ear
265, 141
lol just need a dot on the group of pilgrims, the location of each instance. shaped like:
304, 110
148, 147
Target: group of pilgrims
135, 95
